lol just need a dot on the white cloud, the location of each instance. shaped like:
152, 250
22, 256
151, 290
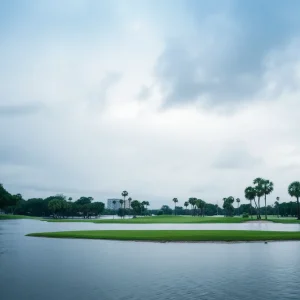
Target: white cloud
92, 134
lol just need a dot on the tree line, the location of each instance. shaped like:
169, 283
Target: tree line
135, 208
260, 190
57, 206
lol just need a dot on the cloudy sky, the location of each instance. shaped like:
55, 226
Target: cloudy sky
161, 98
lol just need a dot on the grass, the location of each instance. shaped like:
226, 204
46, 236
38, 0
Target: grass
175, 220
176, 235
69, 220
12, 217
160, 220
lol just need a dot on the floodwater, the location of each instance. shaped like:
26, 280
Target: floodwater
40, 268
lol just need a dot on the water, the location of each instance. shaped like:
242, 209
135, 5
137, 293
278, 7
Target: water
40, 268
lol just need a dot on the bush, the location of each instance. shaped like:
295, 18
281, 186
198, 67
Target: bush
245, 215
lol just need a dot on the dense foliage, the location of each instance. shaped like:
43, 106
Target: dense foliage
56, 206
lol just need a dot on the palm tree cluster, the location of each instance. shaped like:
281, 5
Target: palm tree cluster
137, 206
294, 191
195, 203
262, 187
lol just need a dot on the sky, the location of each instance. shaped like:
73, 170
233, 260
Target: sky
163, 99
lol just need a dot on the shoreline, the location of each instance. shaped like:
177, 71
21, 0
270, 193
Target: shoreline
184, 236
169, 242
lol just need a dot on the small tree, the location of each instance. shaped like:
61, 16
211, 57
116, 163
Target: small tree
175, 200
250, 194
114, 203
294, 191
238, 202
227, 205
186, 204
124, 194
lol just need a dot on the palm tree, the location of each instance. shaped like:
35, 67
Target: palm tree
144, 203
250, 194
200, 204
259, 192
186, 204
175, 200
294, 191
238, 202
114, 203
124, 194
277, 204
129, 202
147, 204
121, 203
192, 201
267, 187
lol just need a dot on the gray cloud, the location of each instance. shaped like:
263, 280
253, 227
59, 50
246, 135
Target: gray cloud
229, 51
109, 80
144, 93
236, 158
20, 110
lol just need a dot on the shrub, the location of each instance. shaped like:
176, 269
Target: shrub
245, 215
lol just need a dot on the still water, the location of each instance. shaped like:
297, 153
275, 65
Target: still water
40, 268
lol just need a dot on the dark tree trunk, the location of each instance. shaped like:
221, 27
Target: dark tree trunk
298, 208
266, 207
258, 211
251, 209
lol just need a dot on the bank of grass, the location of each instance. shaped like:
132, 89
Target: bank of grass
175, 220
12, 217
176, 235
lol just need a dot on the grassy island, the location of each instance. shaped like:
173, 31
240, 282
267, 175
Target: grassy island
14, 217
176, 235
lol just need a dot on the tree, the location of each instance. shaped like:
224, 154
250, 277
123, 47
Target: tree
166, 210
57, 205
186, 204
114, 203
136, 207
129, 202
294, 191
124, 194
200, 204
97, 208
267, 188
259, 193
5, 197
121, 203
192, 201
175, 200
277, 204
250, 194
227, 205
238, 202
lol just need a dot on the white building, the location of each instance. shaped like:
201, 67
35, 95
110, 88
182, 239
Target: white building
111, 205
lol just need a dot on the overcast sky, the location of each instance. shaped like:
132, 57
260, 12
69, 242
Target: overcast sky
163, 99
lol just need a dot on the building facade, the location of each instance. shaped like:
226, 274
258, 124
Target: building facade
111, 205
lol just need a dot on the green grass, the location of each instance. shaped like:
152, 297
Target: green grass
12, 217
175, 220
286, 221
176, 235
69, 220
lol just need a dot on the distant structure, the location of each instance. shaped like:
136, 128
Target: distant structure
116, 206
